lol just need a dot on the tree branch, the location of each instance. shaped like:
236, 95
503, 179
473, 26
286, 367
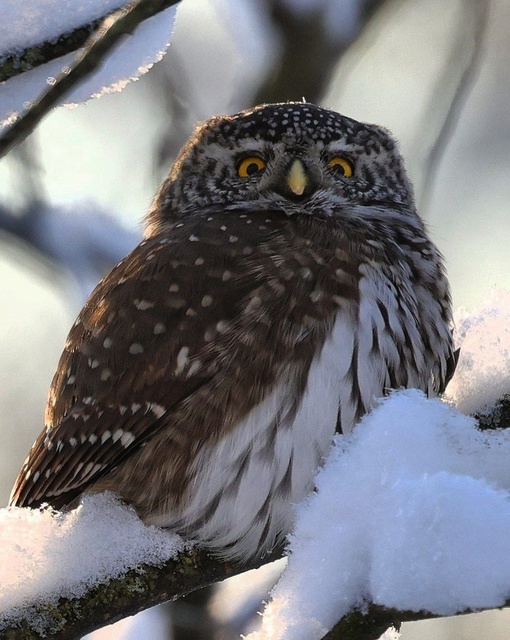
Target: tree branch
308, 55
451, 91
138, 589
18, 62
14, 64
114, 27
371, 622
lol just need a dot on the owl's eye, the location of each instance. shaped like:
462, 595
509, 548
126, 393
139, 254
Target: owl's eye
249, 166
342, 166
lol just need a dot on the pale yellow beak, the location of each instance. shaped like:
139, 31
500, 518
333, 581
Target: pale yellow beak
297, 179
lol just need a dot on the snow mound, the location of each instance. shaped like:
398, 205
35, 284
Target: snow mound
412, 511
483, 372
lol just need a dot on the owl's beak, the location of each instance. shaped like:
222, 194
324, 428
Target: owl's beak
299, 181
297, 178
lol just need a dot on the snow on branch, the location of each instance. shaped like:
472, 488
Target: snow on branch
372, 621
411, 513
89, 58
13, 64
66, 32
67, 574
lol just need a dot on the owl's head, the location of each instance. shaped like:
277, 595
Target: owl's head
295, 157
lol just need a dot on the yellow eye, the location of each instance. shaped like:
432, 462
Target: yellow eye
344, 167
249, 166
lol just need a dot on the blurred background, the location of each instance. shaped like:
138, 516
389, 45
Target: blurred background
73, 196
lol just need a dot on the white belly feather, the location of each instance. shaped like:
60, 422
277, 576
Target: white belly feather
277, 461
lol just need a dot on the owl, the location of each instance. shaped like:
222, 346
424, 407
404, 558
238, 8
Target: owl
285, 283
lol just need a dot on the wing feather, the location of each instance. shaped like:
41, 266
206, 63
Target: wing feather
163, 342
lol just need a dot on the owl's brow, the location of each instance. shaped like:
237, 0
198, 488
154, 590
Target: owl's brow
218, 150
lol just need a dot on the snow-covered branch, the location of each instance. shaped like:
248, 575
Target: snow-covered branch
89, 58
13, 64
21, 57
100, 564
67, 574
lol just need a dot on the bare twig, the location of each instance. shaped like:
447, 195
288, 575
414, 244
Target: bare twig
116, 26
448, 96
308, 54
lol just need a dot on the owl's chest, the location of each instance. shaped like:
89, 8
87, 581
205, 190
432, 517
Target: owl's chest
245, 487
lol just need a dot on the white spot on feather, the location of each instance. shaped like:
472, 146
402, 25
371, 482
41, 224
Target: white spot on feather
127, 438
143, 305
117, 435
221, 326
156, 409
195, 366
135, 348
182, 360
